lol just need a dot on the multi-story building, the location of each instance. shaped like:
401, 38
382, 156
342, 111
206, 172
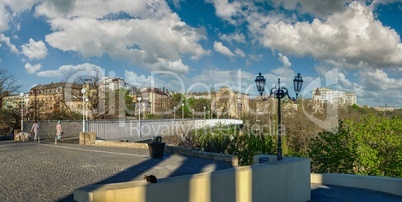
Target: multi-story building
225, 103
154, 100
333, 96
54, 97
111, 83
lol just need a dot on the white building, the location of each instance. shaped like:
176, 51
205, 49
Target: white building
334, 96
111, 83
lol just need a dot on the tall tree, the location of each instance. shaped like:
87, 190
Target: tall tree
8, 85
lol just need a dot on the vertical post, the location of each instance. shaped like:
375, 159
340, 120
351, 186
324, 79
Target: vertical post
22, 111
193, 113
139, 115
83, 109
174, 113
182, 110
279, 94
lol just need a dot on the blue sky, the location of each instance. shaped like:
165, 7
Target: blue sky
184, 45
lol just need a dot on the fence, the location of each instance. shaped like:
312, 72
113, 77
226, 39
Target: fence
132, 130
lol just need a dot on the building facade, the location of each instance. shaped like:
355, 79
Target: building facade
333, 96
224, 102
54, 97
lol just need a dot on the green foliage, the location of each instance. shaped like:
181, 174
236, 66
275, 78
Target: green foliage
231, 140
370, 146
333, 152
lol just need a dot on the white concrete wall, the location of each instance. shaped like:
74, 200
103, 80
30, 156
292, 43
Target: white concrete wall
375, 183
286, 180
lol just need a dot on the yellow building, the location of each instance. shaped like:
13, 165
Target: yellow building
54, 97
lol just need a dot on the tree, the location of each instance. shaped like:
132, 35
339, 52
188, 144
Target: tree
8, 85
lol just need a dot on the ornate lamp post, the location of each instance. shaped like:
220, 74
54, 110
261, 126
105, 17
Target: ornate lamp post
139, 115
279, 92
22, 103
83, 91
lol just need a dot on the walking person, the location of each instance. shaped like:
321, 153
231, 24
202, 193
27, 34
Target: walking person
34, 130
59, 130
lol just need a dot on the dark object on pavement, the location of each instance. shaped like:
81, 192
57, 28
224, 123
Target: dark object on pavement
156, 148
150, 178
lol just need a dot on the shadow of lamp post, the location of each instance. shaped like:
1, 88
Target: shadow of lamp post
279, 92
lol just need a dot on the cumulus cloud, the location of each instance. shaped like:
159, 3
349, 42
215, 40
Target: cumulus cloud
70, 71
220, 48
284, 70
237, 37
352, 37
153, 36
227, 10
31, 69
316, 8
11, 46
34, 50
240, 53
4, 18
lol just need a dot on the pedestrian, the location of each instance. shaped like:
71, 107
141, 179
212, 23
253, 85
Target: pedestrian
34, 130
59, 130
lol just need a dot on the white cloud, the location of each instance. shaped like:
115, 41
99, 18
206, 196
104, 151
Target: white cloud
69, 71
317, 8
152, 37
353, 37
4, 18
285, 60
283, 71
34, 50
6, 40
31, 69
240, 53
227, 10
237, 37
220, 48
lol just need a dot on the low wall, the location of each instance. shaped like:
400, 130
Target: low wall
106, 143
232, 159
375, 183
286, 180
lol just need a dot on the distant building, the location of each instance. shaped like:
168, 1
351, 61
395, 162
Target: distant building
224, 102
111, 83
385, 108
333, 96
154, 100
54, 97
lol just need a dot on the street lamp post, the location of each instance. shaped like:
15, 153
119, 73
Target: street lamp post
174, 113
139, 115
193, 113
86, 108
83, 91
22, 111
204, 113
279, 92
182, 110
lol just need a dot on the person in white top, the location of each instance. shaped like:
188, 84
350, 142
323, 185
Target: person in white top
34, 129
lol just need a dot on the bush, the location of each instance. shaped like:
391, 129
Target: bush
230, 140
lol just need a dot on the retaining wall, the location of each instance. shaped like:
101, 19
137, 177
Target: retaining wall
286, 180
375, 183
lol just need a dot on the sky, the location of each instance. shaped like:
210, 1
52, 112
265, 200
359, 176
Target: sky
203, 45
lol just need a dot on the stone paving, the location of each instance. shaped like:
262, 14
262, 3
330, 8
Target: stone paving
49, 172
